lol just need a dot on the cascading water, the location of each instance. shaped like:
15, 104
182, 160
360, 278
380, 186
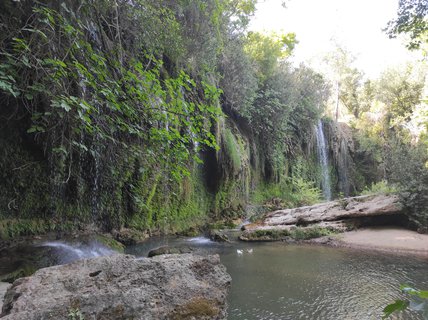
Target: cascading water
76, 251
343, 166
323, 161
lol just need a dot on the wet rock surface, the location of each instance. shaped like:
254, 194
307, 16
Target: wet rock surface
218, 236
120, 286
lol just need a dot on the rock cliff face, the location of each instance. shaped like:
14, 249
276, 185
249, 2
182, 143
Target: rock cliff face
122, 287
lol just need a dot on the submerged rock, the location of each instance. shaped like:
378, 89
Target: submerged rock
182, 286
129, 237
218, 236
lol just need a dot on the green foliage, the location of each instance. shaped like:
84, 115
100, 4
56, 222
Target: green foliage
297, 233
412, 21
267, 50
232, 149
239, 81
391, 144
92, 93
401, 305
380, 187
14, 228
173, 207
398, 305
294, 192
109, 242
400, 90
110, 104
307, 233
123, 100
75, 314
285, 111
347, 81
272, 234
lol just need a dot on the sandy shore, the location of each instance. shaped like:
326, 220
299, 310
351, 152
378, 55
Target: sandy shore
392, 239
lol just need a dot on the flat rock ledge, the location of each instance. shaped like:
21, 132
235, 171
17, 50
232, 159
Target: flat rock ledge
184, 286
313, 221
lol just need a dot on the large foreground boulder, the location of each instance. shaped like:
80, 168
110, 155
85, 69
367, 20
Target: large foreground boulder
123, 287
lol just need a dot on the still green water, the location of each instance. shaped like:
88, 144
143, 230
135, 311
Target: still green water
277, 281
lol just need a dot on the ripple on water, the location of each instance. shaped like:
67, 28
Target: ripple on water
301, 282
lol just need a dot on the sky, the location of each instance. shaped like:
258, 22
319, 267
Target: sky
355, 24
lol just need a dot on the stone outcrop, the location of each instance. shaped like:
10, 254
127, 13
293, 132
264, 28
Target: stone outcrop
356, 207
218, 236
336, 216
182, 286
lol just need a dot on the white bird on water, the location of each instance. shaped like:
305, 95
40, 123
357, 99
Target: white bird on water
239, 252
250, 250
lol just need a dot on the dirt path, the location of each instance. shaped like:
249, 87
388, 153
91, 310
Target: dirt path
386, 239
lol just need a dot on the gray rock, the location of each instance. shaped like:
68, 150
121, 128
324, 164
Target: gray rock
182, 286
356, 207
218, 236
3, 288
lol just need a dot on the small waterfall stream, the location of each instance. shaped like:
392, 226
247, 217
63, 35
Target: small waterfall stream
68, 252
323, 161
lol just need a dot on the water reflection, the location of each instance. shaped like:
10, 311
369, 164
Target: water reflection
276, 281
282, 281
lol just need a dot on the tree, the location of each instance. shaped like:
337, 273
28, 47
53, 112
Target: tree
346, 79
412, 21
239, 81
267, 50
401, 90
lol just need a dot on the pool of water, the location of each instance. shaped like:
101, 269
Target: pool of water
279, 281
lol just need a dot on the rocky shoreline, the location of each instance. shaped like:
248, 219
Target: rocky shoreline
179, 284
323, 218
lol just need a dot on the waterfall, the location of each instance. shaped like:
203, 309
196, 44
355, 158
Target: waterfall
323, 161
343, 167
68, 252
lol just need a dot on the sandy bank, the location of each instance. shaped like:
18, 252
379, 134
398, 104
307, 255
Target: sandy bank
392, 239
